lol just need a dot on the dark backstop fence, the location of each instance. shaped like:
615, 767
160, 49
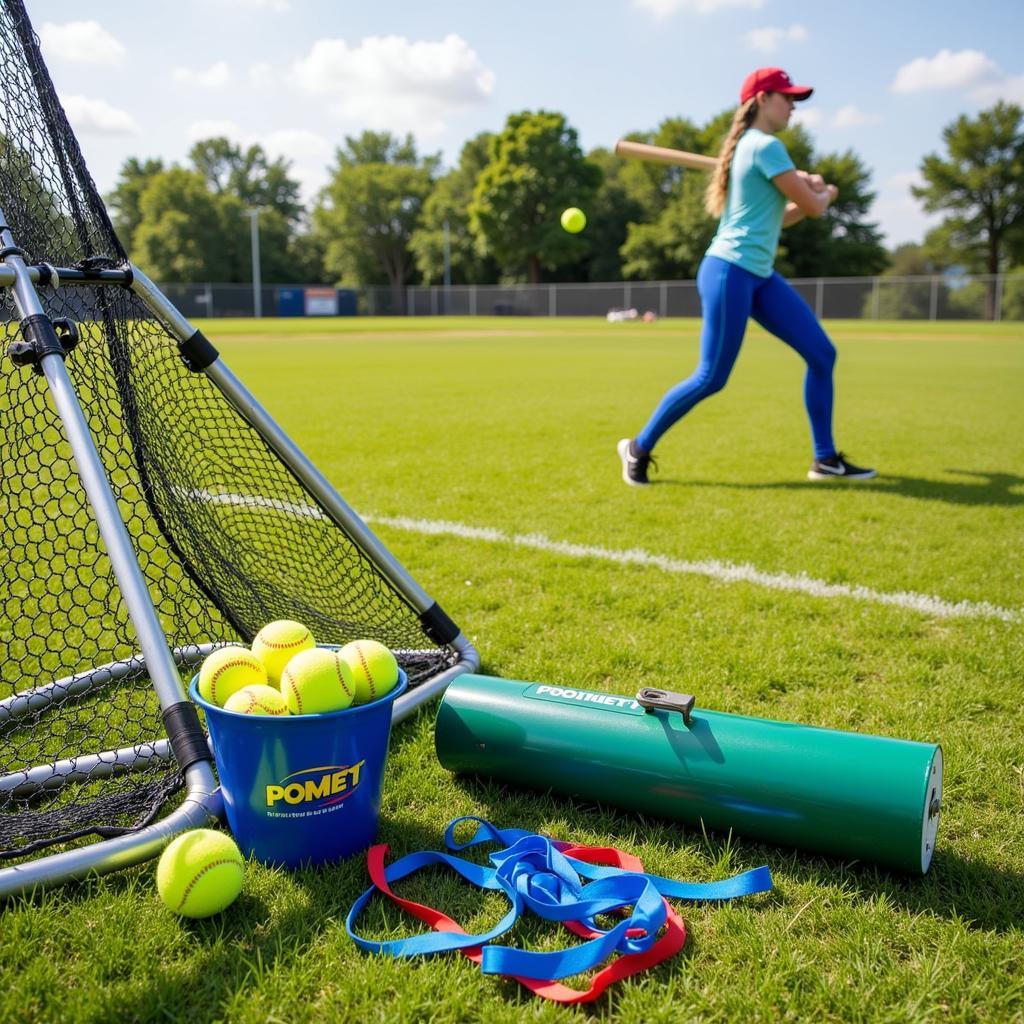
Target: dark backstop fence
937, 297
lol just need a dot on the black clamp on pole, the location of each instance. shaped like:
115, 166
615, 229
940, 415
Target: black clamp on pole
43, 337
651, 699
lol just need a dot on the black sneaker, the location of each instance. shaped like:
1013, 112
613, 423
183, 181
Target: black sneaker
635, 465
838, 468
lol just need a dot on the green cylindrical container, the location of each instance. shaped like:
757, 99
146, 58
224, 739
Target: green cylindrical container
854, 796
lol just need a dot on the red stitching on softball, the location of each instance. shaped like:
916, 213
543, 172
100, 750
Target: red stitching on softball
366, 668
209, 867
223, 668
257, 702
291, 643
341, 678
269, 710
294, 689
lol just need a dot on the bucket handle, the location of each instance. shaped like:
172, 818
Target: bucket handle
652, 699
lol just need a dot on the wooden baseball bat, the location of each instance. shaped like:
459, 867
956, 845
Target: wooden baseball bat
661, 155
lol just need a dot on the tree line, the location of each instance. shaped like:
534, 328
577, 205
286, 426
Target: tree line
390, 215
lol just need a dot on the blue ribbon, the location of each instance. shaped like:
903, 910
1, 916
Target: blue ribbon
534, 874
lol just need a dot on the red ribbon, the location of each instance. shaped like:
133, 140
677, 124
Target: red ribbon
624, 966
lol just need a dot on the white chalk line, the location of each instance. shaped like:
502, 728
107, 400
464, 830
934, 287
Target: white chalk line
722, 572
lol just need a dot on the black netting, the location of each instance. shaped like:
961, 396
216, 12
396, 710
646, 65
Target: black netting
226, 537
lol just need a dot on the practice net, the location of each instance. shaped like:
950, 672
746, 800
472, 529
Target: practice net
226, 537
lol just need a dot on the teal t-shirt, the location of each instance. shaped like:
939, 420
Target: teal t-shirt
748, 233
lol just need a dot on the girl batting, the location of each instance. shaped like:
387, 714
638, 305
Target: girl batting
755, 191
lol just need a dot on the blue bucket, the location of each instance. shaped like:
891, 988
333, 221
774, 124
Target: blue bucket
302, 789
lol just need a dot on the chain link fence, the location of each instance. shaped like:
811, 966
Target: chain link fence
938, 297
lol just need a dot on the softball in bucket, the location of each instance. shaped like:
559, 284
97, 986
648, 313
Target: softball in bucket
302, 789
371, 667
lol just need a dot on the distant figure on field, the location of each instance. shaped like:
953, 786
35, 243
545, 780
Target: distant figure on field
748, 192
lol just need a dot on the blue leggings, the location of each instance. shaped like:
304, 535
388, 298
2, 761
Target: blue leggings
729, 296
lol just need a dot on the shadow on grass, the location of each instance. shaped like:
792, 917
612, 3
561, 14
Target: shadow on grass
980, 895
245, 948
992, 488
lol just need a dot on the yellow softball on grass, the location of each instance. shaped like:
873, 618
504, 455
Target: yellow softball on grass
315, 682
226, 671
278, 642
200, 873
372, 667
257, 700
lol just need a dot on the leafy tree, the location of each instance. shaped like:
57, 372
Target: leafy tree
980, 183
207, 237
842, 242
449, 201
668, 237
536, 169
368, 211
632, 198
186, 233
613, 208
380, 148
281, 254
38, 217
248, 174
673, 245
125, 199
652, 185
307, 252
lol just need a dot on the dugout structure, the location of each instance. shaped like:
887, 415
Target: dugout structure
150, 509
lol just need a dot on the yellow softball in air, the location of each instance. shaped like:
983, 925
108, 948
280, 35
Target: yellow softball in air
315, 682
574, 220
277, 643
372, 667
226, 671
257, 700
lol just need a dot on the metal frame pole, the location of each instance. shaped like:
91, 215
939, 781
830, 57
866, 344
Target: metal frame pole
92, 474
111, 854
246, 404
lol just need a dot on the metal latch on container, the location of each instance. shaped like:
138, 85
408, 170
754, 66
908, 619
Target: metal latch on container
651, 699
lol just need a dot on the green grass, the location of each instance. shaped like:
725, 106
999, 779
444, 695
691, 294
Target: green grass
511, 425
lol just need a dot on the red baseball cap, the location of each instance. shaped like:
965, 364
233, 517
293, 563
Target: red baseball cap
772, 80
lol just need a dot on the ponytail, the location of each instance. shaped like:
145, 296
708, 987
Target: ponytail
718, 186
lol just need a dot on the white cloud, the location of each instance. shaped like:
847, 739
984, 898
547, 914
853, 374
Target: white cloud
946, 70
1010, 89
851, 116
390, 82
85, 42
212, 130
971, 71
770, 38
97, 117
308, 153
213, 77
666, 8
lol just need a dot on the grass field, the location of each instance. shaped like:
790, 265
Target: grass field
483, 453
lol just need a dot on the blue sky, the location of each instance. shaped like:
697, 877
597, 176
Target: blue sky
147, 79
